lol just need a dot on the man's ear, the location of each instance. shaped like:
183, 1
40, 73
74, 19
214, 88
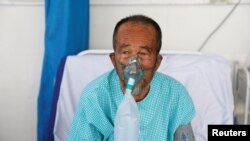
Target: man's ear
158, 61
112, 58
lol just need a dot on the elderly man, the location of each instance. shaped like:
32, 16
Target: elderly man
165, 106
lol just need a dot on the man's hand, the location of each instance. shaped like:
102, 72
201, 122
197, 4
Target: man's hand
184, 133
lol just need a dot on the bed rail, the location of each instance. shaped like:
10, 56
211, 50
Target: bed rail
242, 95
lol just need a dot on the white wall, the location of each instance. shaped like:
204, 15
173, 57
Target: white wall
21, 50
184, 27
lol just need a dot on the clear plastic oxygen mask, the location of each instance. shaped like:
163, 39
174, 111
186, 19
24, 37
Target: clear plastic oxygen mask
133, 69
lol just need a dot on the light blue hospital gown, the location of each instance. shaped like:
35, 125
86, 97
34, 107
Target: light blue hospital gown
162, 111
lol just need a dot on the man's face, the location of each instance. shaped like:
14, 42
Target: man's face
136, 40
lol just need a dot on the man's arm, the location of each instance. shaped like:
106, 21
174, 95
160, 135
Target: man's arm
184, 133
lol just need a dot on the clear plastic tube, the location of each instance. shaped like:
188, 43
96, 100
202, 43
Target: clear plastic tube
130, 85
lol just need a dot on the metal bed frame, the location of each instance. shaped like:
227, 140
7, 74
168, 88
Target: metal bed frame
241, 94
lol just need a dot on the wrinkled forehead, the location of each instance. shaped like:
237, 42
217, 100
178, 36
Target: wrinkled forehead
135, 31
133, 24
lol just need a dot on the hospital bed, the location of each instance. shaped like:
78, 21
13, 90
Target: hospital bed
213, 83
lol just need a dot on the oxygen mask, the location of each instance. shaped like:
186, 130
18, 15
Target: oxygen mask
133, 69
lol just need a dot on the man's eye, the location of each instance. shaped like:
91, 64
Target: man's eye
143, 53
125, 52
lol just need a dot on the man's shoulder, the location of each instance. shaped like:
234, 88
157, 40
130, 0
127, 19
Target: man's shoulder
168, 81
166, 78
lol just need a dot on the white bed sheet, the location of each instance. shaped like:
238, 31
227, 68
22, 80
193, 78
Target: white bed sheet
206, 77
